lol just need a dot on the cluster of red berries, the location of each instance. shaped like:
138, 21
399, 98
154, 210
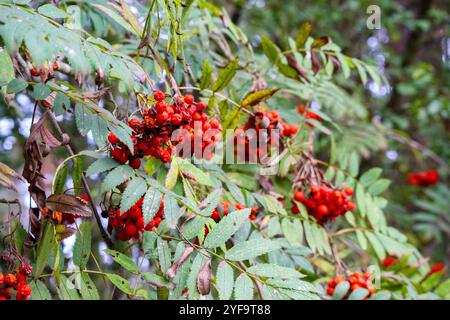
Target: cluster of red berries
17, 281
308, 114
424, 178
356, 281
164, 126
266, 121
130, 224
324, 203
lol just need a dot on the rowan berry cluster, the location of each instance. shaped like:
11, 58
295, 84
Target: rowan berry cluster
163, 127
131, 223
423, 178
266, 123
16, 281
356, 281
324, 203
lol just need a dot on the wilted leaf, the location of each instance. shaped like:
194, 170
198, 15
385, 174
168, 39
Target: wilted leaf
69, 204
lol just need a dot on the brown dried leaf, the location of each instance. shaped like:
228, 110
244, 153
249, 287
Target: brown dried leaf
171, 272
204, 278
317, 43
69, 204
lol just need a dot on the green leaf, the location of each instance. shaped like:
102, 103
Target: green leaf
376, 245
41, 91
20, 235
224, 280
341, 290
381, 295
67, 289
6, 68
133, 192
293, 231
194, 226
171, 210
119, 282
353, 164
359, 294
225, 76
172, 175
122, 259
83, 119
117, 176
59, 180
16, 85
302, 35
199, 175
101, 165
151, 205
211, 201
82, 246
226, 228
99, 130
243, 288
360, 199
256, 97
61, 104
206, 78
77, 175
123, 135
379, 186
274, 271
39, 291
88, 289
51, 11
370, 176
270, 49
117, 18
251, 249
164, 255
443, 290
155, 279
44, 248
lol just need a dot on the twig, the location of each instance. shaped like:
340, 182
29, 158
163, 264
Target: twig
85, 184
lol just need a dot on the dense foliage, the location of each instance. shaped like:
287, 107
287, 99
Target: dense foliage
117, 120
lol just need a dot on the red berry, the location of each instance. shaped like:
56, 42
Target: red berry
112, 138
323, 210
130, 230
2, 278
25, 290
159, 95
10, 279
135, 163
189, 99
348, 191
201, 106
299, 196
